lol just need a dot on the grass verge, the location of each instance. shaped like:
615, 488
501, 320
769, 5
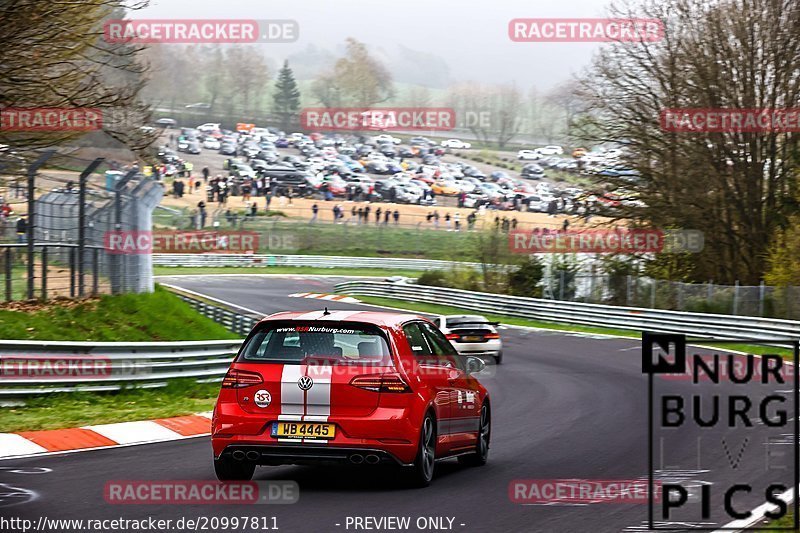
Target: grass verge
366, 272
158, 316
785, 522
436, 309
66, 410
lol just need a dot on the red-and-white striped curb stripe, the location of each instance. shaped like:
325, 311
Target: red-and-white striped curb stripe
25, 443
324, 296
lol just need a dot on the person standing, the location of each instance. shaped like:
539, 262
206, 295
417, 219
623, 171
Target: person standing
457, 221
314, 212
22, 229
378, 216
396, 217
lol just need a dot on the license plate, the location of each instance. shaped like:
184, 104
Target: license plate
303, 430
473, 338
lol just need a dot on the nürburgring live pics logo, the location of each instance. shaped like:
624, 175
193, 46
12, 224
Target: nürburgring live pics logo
733, 424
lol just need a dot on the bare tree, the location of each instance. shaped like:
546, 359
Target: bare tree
737, 187
54, 56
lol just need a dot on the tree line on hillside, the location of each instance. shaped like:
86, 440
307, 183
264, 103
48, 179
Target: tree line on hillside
739, 188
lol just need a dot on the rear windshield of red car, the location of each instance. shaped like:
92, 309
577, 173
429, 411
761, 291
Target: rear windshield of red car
317, 343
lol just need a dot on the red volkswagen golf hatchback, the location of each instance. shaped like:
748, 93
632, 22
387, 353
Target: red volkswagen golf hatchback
362, 388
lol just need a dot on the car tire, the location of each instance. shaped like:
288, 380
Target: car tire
229, 470
498, 359
481, 454
421, 473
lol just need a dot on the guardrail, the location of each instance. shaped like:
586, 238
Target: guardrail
608, 316
235, 322
319, 261
36, 367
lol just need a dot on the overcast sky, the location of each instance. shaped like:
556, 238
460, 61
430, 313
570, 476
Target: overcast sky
471, 37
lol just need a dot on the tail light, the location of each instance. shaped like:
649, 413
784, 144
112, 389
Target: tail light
452, 336
381, 383
492, 336
235, 379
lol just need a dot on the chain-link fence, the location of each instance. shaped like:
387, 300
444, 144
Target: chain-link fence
54, 242
745, 300
55, 271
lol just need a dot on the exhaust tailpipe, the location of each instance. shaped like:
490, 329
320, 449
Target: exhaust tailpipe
238, 455
372, 459
356, 458
253, 455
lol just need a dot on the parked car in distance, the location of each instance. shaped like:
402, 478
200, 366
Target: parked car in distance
457, 144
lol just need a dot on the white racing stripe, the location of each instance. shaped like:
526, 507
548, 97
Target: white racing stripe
318, 397
341, 315
292, 398
332, 315
313, 315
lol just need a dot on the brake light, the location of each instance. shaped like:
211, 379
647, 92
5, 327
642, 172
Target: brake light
381, 383
492, 336
235, 379
452, 336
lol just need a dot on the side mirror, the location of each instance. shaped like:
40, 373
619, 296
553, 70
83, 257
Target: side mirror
474, 365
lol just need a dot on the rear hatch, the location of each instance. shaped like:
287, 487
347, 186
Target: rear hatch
469, 329
307, 369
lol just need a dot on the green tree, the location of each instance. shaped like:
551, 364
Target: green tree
526, 280
287, 97
358, 79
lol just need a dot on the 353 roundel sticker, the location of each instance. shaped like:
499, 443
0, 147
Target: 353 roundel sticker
262, 398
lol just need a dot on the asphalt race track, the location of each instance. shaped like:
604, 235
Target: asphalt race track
564, 406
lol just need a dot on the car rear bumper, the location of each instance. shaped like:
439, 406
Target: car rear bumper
487, 349
272, 455
390, 430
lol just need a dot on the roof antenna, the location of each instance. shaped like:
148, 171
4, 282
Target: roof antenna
326, 312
